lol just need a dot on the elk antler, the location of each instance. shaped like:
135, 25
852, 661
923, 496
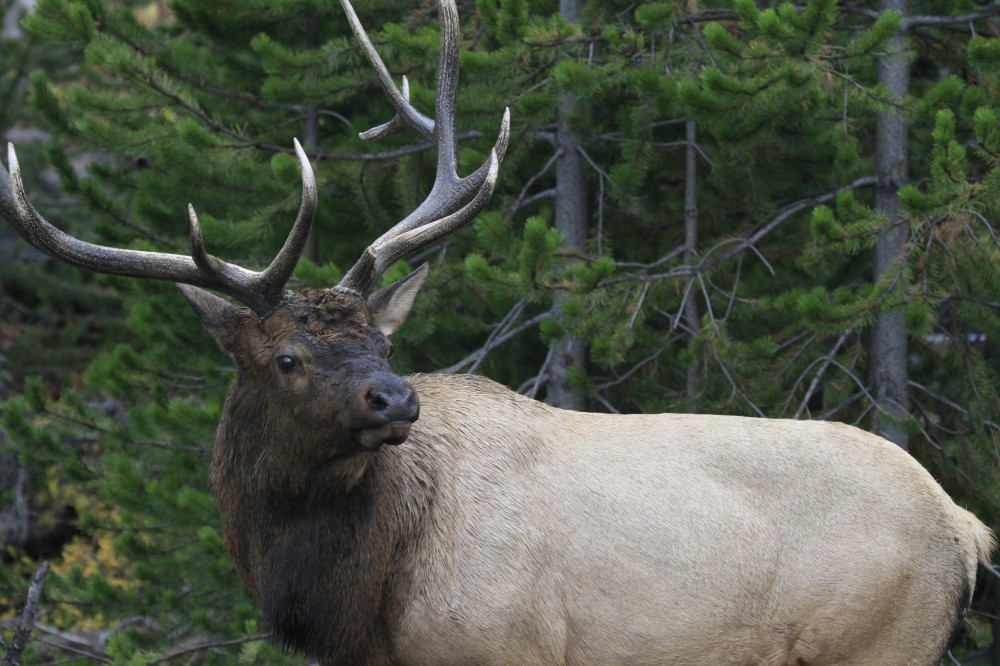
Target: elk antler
452, 201
262, 291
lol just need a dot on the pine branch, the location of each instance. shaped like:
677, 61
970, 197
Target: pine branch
713, 259
22, 633
197, 82
245, 140
14, 80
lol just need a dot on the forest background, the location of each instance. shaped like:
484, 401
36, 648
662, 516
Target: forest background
782, 210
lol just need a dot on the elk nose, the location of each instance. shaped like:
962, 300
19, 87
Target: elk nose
391, 399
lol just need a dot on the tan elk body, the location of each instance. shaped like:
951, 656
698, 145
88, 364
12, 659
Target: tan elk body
436, 520
570, 538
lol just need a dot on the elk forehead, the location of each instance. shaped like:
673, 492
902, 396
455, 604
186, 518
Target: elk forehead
321, 313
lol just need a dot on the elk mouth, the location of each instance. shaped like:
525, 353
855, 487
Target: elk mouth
393, 434
383, 411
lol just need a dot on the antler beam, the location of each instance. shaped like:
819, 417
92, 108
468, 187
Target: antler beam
262, 291
452, 201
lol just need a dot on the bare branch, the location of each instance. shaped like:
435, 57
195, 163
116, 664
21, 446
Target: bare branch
501, 328
22, 634
958, 19
606, 404
542, 377
736, 390
520, 201
206, 646
710, 15
539, 196
826, 360
494, 341
635, 368
385, 155
739, 245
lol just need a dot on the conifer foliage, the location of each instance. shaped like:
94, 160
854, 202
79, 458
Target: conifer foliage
729, 151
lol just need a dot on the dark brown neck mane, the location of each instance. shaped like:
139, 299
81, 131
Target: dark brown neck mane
321, 557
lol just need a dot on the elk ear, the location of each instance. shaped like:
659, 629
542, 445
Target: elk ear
389, 306
215, 313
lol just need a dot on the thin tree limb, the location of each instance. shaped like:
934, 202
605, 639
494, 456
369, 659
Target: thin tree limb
618, 380
210, 645
606, 404
538, 196
520, 201
22, 633
493, 342
501, 328
739, 245
929, 21
958, 19
736, 390
826, 360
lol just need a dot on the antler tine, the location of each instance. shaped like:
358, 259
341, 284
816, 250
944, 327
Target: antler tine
404, 243
406, 114
447, 206
409, 117
262, 291
363, 277
274, 277
450, 192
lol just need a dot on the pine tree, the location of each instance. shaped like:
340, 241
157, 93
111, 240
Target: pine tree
201, 108
760, 119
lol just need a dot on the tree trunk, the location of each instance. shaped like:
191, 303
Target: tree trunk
571, 219
12, 19
889, 375
692, 319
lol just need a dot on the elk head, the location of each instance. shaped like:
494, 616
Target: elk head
320, 356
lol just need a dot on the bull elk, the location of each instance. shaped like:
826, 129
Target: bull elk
498, 530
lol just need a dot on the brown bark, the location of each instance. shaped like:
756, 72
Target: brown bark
571, 219
889, 375
692, 318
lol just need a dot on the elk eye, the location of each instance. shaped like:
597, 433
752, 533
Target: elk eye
286, 363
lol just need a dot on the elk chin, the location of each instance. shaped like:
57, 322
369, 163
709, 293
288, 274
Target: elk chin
392, 434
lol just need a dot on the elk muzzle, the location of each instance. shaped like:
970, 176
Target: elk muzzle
385, 408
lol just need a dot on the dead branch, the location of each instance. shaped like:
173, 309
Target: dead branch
22, 633
206, 646
740, 245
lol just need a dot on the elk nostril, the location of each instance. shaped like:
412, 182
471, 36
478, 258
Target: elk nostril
377, 401
389, 399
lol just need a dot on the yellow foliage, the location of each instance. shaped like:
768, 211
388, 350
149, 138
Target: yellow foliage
94, 554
